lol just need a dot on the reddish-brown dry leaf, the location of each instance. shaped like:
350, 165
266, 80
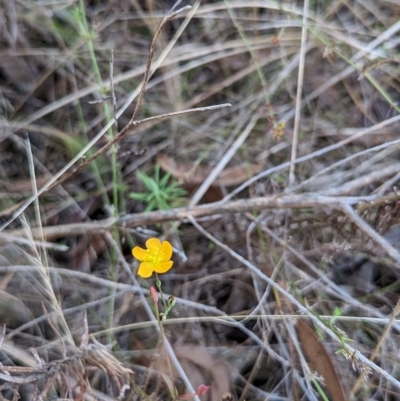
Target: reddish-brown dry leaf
187, 173
201, 366
86, 252
319, 359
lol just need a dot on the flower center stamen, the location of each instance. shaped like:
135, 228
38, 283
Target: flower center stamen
155, 255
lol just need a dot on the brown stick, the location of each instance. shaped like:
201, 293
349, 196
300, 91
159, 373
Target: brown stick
181, 214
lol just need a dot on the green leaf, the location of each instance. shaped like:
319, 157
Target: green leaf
137, 196
164, 180
160, 192
337, 311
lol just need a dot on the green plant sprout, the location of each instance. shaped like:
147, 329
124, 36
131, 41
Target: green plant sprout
161, 193
344, 339
341, 335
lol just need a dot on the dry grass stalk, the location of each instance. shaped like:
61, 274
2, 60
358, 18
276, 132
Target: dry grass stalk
244, 264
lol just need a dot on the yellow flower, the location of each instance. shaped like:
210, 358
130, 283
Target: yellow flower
156, 258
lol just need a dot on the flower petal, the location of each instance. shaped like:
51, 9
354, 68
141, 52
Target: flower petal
153, 243
166, 248
139, 253
163, 267
145, 269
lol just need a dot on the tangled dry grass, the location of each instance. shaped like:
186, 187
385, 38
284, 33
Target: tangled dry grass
260, 138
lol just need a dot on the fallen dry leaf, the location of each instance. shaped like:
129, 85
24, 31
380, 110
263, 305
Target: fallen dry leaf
319, 359
195, 175
201, 366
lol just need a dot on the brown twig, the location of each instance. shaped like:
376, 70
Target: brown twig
210, 209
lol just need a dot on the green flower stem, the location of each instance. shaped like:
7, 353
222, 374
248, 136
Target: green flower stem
158, 284
319, 389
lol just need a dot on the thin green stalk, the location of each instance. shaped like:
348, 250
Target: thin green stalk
319, 389
160, 324
93, 166
115, 168
107, 113
158, 284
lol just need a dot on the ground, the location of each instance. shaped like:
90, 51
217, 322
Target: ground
259, 139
